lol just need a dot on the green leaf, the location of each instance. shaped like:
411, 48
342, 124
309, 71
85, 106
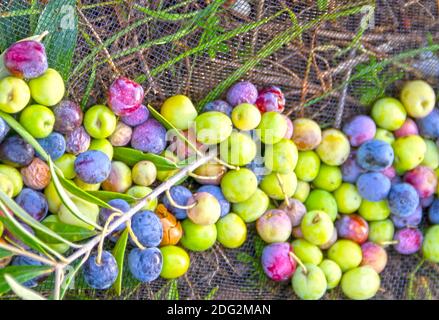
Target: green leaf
34, 13
67, 231
21, 291
60, 19
132, 156
382, 64
209, 44
84, 195
90, 84
17, 127
65, 199
173, 291
259, 246
88, 60
21, 234
212, 29
24, 235
276, 43
244, 257
119, 255
164, 15
109, 195
211, 294
374, 81
21, 274
29, 220
369, 95
323, 5
5, 253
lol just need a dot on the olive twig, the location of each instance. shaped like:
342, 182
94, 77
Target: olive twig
292, 255
59, 278
107, 54
225, 164
196, 176
388, 243
282, 187
104, 231
133, 236
138, 206
176, 205
41, 36
28, 254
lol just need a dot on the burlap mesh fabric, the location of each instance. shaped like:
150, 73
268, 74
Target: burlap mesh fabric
312, 69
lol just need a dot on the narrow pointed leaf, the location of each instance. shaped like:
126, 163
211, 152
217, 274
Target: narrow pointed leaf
89, 88
109, 195
24, 235
211, 294
67, 231
5, 253
84, 195
29, 220
21, 291
132, 156
65, 199
21, 274
322, 5
173, 291
119, 255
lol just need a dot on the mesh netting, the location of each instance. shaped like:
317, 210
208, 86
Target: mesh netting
312, 68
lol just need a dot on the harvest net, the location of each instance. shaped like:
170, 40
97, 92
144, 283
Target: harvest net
331, 59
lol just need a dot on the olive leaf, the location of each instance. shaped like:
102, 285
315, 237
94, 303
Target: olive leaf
65, 199
374, 82
119, 255
60, 19
132, 156
30, 221
21, 291
323, 5
67, 231
21, 274
88, 89
173, 293
5, 253
84, 195
211, 293
24, 235
109, 195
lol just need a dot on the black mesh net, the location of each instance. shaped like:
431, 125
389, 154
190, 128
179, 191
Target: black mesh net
331, 59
